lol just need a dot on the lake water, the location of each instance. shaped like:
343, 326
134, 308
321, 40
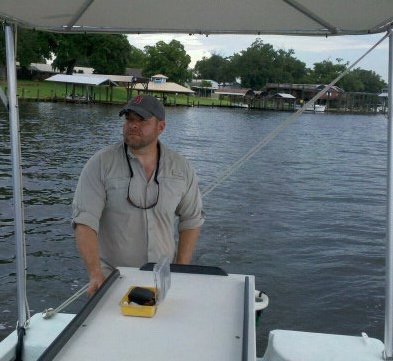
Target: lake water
306, 215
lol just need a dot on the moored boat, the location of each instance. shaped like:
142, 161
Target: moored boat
316, 108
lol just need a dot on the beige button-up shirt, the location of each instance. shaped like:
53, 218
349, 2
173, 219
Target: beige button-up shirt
129, 236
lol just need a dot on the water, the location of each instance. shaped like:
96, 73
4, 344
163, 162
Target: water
306, 215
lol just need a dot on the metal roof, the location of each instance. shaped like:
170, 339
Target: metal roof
285, 96
81, 79
296, 17
167, 87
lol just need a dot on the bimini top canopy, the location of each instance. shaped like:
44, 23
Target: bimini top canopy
291, 17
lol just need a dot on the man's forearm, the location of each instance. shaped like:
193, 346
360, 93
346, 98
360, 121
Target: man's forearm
87, 242
187, 241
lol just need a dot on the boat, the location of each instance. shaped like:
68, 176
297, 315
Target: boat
315, 108
186, 324
80, 99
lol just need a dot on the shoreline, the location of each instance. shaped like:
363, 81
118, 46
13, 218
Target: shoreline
205, 105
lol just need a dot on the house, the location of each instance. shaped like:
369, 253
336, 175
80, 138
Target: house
283, 101
304, 92
204, 87
159, 79
236, 95
135, 72
41, 71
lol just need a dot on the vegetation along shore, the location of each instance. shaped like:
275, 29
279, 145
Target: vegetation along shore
257, 77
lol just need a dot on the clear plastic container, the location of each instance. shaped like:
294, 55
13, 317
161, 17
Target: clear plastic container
162, 282
162, 278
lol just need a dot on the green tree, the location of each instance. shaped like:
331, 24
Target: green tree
260, 64
371, 81
168, 59
216, 68
32, 47
325, 71
206, 84
254, 65
113, 54
351, 83
357, 80
106, 53
70, 50
287, 69
137, 58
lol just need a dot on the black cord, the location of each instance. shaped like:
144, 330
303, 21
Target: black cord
19, 345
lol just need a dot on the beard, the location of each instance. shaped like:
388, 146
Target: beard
136, 142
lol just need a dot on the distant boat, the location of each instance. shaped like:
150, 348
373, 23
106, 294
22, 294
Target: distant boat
316, 108
77, 99
382, 109
240, 105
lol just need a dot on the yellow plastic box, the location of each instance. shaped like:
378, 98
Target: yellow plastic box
133, 309
162, 282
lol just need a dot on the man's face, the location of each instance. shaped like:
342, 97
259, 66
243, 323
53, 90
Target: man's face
139, 133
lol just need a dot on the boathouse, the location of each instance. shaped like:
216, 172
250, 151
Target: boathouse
236, 95
204, 87
304, 91
80, 87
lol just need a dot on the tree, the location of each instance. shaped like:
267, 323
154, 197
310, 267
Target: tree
288, 69
70, 50
168, 59
113, 54
371, 81
254, 64
260, 64
216, 68
357, 80
137, 58
32, 47
206, 84
326, 71
106, 53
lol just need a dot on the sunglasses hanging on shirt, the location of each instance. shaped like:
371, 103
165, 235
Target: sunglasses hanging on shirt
133, 202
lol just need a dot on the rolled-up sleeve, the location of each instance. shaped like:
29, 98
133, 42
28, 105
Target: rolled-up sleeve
89, 197
190, 210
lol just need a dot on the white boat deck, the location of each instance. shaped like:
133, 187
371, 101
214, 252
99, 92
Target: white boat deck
200, 319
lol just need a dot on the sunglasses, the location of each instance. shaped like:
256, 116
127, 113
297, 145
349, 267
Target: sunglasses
132, 202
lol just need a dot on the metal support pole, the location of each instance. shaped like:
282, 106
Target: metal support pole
16, 175
389, 231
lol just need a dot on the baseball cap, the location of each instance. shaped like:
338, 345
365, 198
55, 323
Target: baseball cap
146, 106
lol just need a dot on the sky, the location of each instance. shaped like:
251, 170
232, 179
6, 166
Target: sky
310, 50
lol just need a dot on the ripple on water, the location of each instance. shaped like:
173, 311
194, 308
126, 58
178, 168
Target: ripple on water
305, 215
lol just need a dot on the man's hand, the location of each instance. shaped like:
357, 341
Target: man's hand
87, 242
95, 283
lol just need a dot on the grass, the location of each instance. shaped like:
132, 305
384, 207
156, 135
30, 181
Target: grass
51, 91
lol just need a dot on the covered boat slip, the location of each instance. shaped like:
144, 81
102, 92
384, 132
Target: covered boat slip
203, 317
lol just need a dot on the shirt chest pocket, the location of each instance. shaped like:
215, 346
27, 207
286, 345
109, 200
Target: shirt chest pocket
116, 193
172, 190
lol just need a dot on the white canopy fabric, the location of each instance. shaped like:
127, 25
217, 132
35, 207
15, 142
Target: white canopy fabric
296, 17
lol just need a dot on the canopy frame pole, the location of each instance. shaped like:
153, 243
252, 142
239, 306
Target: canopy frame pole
330, 28
389, 226
80, 13
16, 174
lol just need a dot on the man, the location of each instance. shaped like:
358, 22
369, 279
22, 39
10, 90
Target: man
130, 194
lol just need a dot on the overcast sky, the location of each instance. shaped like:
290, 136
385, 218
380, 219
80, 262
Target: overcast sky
307, 49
